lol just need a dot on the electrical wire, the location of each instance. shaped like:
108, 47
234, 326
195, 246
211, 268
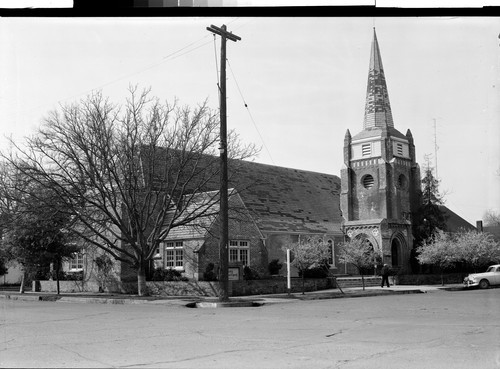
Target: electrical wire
217, 70
174, 55
249, 113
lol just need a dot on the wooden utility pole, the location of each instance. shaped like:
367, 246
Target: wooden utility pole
223, 211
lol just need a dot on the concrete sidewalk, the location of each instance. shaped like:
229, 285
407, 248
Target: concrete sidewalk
103, 298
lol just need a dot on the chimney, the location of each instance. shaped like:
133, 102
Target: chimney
479, 225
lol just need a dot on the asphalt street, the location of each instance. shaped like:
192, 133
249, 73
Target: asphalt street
438, 329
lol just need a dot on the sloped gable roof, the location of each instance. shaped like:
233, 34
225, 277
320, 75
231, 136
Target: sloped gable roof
279, 199
455, 222
288, 200
203, 203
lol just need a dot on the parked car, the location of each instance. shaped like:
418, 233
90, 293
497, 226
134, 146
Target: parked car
489, 278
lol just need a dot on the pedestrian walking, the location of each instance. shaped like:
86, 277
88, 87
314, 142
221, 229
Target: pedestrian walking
385, 275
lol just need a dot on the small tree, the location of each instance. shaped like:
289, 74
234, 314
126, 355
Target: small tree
38, 233
104, 266
440, 250
360, 253
477, 249
306, 253
428, 217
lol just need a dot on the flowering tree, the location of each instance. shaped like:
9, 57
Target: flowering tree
439, 250
359, 253
477, 248
308, 252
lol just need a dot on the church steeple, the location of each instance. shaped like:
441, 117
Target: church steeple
377, 108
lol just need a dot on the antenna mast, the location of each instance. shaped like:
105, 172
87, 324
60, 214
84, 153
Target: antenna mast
435, 149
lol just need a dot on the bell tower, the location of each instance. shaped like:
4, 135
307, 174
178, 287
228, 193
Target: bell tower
380, 177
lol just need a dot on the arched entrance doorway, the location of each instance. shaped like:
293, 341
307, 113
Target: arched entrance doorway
398, 250
395, 252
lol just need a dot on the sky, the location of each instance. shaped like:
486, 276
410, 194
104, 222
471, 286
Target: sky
303, 81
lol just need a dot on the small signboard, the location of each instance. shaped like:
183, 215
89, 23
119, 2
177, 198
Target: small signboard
233, 274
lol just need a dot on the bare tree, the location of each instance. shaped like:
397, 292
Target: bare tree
491, 218
128, 174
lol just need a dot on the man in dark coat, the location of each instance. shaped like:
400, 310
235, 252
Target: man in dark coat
385, 275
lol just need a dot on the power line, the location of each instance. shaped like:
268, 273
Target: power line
217, 69
249, 113
174, 55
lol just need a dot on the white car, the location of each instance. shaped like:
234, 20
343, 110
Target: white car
489, 278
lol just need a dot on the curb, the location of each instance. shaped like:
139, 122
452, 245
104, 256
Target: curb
260, 300
320, 296
29, 297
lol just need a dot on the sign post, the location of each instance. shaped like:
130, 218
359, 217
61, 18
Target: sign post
288, 278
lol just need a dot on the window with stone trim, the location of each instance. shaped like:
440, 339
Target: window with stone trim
239, 252
368, 181
174, 255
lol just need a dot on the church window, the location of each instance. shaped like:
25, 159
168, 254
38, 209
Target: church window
174, 255
238, 252
76, 262
368, 181
366, 149
331, 257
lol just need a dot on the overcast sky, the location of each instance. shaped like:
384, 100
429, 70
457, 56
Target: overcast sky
303, 80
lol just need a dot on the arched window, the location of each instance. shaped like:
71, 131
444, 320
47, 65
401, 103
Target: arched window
331, 258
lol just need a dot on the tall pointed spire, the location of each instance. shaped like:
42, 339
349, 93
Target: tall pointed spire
378, 108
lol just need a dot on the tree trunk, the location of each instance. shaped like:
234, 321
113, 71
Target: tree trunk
303, 283
363, 280
21, 288
58, 266
141, 280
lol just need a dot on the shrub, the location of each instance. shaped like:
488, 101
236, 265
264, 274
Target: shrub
209, 274
249, 273
74, 276
275, 266
161, 274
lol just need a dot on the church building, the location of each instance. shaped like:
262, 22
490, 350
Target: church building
380, 176
373, 200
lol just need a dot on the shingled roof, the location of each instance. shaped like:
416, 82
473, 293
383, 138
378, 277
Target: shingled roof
288, 200
278, 199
